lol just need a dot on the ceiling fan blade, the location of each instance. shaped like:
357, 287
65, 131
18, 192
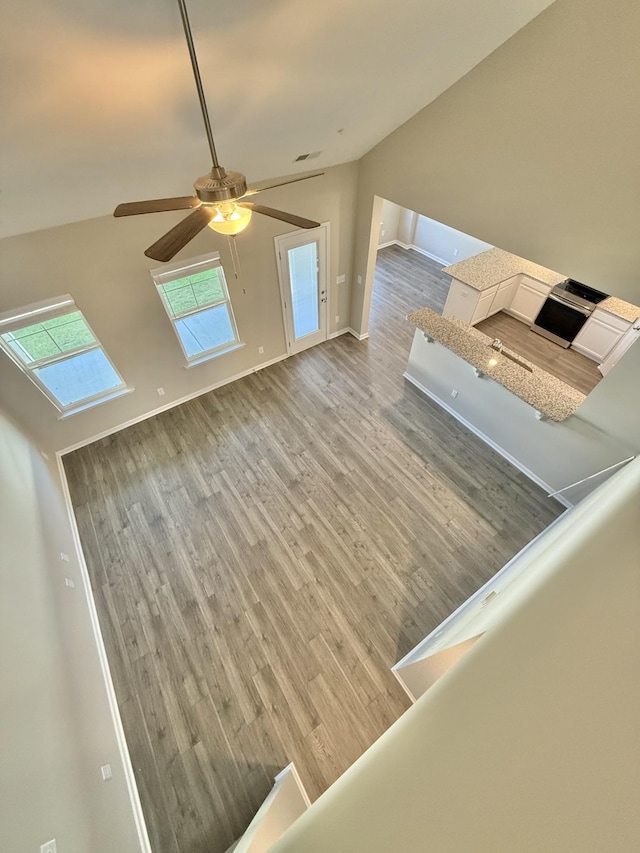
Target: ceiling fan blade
252, 191
156, 205
291, 218
170, 244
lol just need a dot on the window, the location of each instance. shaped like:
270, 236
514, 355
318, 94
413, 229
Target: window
196, 299
54, 345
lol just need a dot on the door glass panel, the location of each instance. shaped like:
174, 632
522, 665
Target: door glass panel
303, 274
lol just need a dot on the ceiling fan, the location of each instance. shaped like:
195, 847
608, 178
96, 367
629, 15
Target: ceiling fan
220, 196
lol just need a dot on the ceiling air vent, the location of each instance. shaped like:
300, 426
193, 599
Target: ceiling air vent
310, 156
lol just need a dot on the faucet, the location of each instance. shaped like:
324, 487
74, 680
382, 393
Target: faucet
496, 343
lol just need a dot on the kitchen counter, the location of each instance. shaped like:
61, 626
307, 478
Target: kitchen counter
548, 395
620, 308
495, 265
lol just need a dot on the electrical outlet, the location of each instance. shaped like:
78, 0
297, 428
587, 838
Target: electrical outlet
105, 769
160, 392
341, 279
70, 583
455, 253
454, 393
64, 557
261, 350
359, 279
337, 318
49, 847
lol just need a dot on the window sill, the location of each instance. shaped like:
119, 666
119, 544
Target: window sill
208, 356
121, 392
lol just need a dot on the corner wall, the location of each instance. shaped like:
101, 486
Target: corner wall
55, 720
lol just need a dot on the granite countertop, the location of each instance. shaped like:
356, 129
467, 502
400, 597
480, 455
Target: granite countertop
620, 308
550, 396
495, 265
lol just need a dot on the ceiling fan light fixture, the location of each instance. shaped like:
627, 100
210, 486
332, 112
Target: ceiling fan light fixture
230, 219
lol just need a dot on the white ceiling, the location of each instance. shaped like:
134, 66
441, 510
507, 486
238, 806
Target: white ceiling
99, 105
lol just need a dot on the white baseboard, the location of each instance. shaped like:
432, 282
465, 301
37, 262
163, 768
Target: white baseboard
429, 255
359, 337
174, 403
132, 788
414, 248
338, 333
504, 453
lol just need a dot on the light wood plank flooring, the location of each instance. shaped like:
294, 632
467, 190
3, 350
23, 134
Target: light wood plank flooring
570, 366
261, 556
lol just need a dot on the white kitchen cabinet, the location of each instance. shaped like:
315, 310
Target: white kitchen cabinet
484, 303
528, 299
600, 334
504, 295
614, 355
462, 301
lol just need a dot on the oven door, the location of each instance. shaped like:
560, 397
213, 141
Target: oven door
559, 322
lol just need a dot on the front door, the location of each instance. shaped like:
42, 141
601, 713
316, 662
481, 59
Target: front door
302, 268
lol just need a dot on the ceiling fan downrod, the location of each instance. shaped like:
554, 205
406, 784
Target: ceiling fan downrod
196, 73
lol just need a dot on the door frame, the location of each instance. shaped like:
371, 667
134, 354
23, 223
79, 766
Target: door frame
323, 228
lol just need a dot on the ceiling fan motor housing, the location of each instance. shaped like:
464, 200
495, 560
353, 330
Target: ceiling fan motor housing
220, 185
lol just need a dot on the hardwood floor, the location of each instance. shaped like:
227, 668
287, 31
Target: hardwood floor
260, 556
414, 275
572, 367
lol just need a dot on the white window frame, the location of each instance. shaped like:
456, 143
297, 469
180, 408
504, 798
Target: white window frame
13, 321
182, 269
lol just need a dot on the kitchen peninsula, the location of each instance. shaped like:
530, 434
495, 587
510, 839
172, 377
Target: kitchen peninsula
549, 396
528, 416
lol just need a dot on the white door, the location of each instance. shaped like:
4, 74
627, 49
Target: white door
302, 268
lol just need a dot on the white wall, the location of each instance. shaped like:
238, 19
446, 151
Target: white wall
55, 724
445, 244
529, 743
101, 262
389, 221
435, 239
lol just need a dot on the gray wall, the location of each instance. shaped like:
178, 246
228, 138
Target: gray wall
534, 151
54, 713
101, 263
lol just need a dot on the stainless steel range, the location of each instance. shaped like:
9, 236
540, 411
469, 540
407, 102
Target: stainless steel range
565, 311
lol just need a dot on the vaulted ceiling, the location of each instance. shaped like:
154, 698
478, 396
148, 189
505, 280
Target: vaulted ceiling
100, 106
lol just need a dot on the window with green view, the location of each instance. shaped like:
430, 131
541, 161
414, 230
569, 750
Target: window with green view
196, 299
53, 344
